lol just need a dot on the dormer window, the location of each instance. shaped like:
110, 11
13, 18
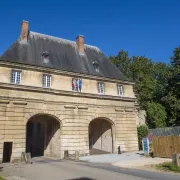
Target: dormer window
45, 57
96, 66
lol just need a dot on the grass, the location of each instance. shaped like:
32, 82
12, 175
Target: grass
168, 166
1, 178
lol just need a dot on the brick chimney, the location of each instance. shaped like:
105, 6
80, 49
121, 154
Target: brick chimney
80, 43
24, 30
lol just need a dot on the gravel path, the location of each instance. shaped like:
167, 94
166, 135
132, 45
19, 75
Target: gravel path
141, 162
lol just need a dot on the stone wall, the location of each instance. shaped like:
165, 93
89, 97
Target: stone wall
64, 83
141, 117
74, 115
73, 110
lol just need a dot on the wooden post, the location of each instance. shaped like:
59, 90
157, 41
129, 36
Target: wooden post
176, 159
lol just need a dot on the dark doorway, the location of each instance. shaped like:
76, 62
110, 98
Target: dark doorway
35, 139
43, 136
7, 151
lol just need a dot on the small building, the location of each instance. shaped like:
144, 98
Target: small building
58, 95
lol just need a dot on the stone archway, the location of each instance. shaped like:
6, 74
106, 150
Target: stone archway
43, 136
100, 136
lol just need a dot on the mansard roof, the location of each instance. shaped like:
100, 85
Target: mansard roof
60, 54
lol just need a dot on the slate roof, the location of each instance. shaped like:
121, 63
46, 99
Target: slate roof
63, 55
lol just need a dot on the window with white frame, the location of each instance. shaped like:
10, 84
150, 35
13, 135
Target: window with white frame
46, 80
100, 87
120, 89
15, 77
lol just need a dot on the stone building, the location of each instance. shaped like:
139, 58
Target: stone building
58, 95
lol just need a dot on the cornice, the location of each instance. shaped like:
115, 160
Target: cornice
64, 93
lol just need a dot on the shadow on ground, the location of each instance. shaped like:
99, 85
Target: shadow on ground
83, 178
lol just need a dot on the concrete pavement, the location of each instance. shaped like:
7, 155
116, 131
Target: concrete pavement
129, 159
113, 158
45, 169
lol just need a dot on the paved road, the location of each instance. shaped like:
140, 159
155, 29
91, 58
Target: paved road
43, 169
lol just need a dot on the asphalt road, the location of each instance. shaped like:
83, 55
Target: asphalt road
43, 169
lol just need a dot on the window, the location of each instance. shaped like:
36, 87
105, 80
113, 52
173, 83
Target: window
120, 89
76, 84
45, 57
96, 66
46, 81
16, 77
100, 87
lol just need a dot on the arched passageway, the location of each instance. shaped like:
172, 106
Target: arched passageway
100, 136
43, 136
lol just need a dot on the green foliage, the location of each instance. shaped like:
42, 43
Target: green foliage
168, 166
146, 87
156, 114
142, 133
175, 59
122, 62
157, 86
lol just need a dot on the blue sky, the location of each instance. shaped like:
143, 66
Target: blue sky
142, 27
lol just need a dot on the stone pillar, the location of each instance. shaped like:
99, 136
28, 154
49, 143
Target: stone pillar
45, 136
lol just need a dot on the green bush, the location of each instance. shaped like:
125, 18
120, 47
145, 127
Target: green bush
142, 133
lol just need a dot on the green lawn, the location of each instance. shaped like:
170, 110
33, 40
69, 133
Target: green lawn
168, 166
1, 178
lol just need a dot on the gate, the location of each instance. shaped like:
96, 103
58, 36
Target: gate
166, 146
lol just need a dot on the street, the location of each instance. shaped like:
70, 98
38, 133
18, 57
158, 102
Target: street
45, 169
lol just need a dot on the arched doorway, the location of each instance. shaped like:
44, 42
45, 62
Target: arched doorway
100, 136
43, 136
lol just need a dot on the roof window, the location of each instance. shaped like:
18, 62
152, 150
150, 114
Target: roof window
96, 66
45, 57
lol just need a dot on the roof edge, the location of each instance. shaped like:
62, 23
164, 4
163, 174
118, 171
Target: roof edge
58, 71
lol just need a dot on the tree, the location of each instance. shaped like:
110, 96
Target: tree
156, 114
157, 85
162, 74
171, 99
150, 80
175, 59
122, 62
142, 133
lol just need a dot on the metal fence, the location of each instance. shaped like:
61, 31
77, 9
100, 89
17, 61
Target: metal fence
169, 131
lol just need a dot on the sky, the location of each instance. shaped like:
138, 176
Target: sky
149, 28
